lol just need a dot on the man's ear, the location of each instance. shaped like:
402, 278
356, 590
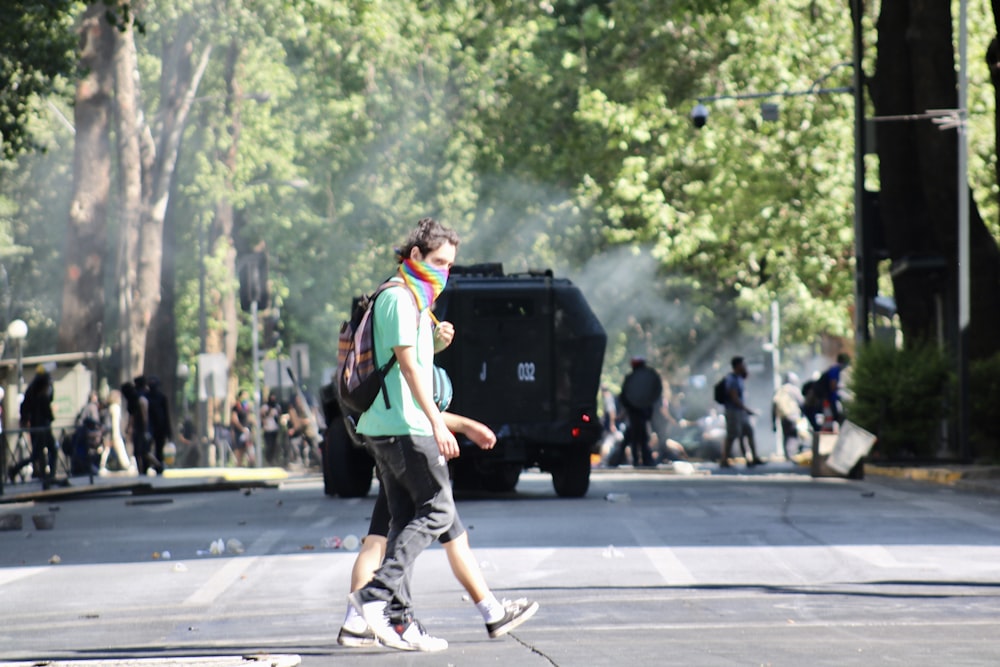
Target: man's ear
416, 255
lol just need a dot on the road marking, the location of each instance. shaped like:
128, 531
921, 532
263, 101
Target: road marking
873, 554
262, 545
8, 575
663, 558
670, 567
219, 582
541, 627
325, 522
305, 510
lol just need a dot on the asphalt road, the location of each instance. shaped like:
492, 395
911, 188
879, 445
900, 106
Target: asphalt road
770, 568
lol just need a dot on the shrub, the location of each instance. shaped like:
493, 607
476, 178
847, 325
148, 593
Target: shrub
901, 396
984, 407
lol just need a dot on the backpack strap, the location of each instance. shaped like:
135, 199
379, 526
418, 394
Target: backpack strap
383, 371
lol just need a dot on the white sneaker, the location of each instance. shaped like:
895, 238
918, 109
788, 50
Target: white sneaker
408, 637
416, 636
353, 639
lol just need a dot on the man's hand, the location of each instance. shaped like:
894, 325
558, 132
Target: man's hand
444, 334
446, 442
481, 434
476, 431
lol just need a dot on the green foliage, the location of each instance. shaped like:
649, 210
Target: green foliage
36, 49
901, 396
984, 397
550, 134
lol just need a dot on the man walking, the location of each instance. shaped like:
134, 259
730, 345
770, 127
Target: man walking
642, 391
738, 426
410, 441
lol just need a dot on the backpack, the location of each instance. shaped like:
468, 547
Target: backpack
817, 391
642, 388
719, 392
443, 389
359, 377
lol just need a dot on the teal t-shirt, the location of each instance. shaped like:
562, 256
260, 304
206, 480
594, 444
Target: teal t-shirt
396, 321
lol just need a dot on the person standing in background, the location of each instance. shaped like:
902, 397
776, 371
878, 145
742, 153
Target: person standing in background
239, 426
786, 409
36, 418
117, 442
270, 413
738, 424
138, 424
642, 394
159, 420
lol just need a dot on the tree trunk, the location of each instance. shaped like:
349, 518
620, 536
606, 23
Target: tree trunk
148, 166
918, 173
161, 341
80, 328
130, 168
221, 236
180, 79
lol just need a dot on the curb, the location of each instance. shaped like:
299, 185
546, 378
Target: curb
936, 475
970, 478
178, 480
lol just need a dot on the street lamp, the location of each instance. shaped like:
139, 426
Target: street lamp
17, 331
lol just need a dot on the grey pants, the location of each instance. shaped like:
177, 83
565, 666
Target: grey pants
418, 491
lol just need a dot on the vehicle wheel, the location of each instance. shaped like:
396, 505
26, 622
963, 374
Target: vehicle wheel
571, 478
347, 469
501, 477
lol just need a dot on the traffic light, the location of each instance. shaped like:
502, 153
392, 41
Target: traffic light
272, 331
252, 270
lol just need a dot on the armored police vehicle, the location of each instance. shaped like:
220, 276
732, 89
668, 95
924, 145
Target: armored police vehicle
526, 361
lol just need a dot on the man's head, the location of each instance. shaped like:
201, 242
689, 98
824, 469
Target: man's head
844, 359
638, 362
739, 366
431, 242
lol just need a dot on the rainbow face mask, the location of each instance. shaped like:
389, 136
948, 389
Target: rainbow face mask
425, 281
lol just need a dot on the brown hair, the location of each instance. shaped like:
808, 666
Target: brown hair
428, 236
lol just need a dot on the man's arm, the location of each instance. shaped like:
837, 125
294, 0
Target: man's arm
406, 357
734, 396
476, 431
